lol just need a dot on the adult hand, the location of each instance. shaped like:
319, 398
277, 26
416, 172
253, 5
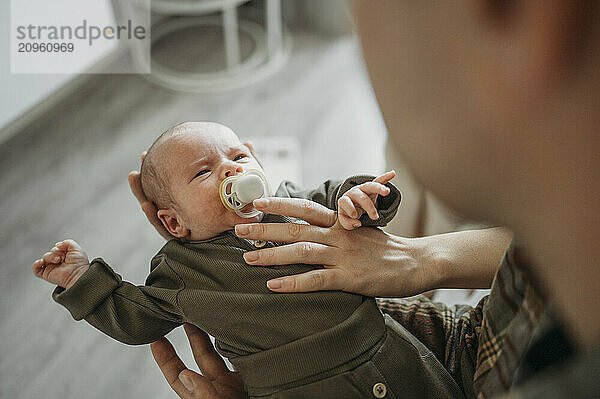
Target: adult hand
135, 184
216, 381
369, 261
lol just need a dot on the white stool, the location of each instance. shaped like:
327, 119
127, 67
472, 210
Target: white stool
271, 45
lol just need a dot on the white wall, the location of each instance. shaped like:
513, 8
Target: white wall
18, 92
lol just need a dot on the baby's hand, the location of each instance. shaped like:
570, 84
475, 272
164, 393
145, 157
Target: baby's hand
63, 264
362, 198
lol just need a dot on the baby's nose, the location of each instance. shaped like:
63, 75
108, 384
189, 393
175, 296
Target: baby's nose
232, 170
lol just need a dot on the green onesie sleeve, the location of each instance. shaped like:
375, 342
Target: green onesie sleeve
131, 314
328, 193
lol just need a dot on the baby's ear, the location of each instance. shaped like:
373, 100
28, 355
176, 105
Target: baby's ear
170, 220
251, 149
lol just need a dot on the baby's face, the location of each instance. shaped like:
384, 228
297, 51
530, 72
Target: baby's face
197, 160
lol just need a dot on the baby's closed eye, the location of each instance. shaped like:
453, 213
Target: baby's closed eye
202, 172
241, 156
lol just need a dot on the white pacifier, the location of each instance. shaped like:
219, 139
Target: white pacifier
238, 191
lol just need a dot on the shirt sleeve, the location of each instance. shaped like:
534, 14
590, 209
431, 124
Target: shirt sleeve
328, 193
450, 332
481, 346
131, 314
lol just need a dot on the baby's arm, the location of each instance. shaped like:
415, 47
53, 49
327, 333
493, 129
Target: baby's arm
362, 199
330, 192
63, 264
131, 314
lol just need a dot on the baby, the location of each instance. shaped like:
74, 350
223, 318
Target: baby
321, 344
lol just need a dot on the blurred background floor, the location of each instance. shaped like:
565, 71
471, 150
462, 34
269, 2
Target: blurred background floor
66, 176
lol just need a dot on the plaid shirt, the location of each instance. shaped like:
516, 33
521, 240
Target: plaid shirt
480, 347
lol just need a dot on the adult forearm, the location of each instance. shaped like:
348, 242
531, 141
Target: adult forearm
466, 259
369, 261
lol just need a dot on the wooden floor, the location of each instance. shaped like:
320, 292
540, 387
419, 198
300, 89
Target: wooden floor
66, 177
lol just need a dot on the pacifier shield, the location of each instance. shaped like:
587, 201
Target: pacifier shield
239, 191
249, 188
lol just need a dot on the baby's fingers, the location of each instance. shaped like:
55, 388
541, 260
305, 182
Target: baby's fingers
374, 188
347, 222
347, 207
59, 250
347, 213
386, 177
51, 257
38, 267
67, 245
361, 199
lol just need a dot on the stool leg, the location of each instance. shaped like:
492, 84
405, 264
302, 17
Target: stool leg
274, 34
231, 35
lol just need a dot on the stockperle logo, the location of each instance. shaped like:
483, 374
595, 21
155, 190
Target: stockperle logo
78, 36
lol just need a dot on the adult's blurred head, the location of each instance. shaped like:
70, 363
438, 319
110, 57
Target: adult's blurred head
491, 102
495, 105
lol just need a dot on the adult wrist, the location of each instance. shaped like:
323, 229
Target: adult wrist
465, 259
435, 262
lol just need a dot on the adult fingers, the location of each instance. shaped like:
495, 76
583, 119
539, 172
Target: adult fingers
300, 208
314, 280
208, 360
171, 366
302, 252
284, 232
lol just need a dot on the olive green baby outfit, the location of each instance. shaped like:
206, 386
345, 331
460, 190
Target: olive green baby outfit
328, 344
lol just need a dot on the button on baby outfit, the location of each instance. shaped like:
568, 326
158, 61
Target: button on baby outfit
259, 243
379, 390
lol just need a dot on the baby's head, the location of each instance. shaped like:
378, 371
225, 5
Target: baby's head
182, 172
